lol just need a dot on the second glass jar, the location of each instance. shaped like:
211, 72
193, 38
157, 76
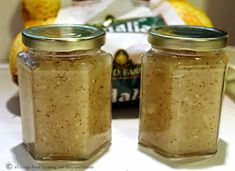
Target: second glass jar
182, 90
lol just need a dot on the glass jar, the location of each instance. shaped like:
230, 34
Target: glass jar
65, 92
182, 87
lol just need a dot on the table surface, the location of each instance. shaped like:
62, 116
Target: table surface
124, 153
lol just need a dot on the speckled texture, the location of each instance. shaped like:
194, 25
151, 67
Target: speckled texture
181, 101
70, 117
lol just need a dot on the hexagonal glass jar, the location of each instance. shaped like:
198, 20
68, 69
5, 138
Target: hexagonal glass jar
65, 92
182, 88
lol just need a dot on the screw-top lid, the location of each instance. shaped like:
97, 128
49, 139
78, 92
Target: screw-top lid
64, 37
188, 38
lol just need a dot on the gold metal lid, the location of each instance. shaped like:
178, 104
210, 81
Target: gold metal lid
63, 38
183, 37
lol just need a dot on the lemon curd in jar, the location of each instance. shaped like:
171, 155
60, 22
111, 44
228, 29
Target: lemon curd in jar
181, 91
65, 94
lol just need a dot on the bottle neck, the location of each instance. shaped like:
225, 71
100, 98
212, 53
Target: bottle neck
186, 53
56, 54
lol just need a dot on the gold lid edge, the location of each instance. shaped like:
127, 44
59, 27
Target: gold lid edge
63, 44
189, 43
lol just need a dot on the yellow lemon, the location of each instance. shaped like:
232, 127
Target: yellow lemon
190, 14
40, 9
16, 47
31, 23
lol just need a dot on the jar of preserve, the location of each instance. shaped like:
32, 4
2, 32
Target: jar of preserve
65, 92
182, 87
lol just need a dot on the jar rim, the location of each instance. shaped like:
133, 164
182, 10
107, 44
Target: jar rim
184, 37
63, 37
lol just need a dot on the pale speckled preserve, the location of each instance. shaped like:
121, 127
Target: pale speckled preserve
65, 92
182, 88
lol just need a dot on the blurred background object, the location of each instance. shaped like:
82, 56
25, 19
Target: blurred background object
10, 25
40, 9
222, 14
